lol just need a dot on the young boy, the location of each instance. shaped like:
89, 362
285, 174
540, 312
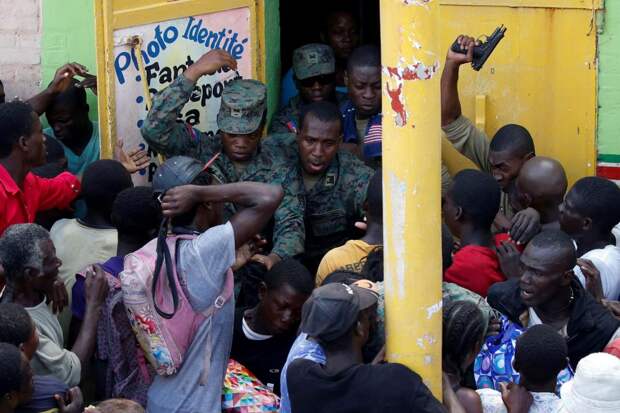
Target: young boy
539, 357
469, 207
84, 241
588, 215
263, 335
17, 328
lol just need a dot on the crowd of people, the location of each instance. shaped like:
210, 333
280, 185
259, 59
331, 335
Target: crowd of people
250, 274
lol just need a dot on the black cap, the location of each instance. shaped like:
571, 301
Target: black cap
332, 309
176, 171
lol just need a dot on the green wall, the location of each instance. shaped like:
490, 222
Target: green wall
68, 35
609, 84
272, 40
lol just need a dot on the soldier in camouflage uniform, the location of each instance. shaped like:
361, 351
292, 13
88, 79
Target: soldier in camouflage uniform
314, 67
334, 181
240, 120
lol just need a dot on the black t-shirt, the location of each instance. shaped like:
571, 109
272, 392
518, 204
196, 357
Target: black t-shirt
389, 387
264, 358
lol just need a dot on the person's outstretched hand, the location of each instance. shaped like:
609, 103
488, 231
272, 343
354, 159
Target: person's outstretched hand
467, 43
74, 402
134, 160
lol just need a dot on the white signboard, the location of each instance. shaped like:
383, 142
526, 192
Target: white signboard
168, 48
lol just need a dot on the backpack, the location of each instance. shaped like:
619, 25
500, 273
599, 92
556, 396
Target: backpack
159, 310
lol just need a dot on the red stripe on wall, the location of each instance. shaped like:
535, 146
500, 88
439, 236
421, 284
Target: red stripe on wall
610, 172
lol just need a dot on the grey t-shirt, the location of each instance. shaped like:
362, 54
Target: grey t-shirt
204, 262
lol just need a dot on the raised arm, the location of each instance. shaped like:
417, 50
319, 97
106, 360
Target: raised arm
450, 103
62, 80
258, 203
161, 129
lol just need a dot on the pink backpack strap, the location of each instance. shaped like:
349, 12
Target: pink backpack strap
219, 302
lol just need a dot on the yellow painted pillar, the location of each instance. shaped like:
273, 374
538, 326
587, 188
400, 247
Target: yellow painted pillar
411, 185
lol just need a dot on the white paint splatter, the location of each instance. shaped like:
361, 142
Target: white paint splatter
428, 360
435, 308
398, 198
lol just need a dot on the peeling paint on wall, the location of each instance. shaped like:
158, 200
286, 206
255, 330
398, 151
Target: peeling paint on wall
398, 190
404, 72
430, 311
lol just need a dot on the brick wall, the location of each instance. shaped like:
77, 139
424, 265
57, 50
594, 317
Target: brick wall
20, 47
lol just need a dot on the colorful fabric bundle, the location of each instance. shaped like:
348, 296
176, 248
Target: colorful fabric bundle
244, 393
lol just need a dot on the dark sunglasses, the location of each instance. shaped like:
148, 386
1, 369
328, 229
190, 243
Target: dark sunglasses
323, 80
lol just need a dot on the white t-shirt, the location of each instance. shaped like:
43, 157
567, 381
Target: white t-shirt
616, 232
543, 402
607, 261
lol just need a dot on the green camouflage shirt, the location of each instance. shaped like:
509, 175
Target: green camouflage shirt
170, 138
291, 112
334, 203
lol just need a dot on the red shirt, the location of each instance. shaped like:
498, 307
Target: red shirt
19, 206
476, 268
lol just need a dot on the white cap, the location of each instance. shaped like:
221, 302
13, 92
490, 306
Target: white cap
595, 387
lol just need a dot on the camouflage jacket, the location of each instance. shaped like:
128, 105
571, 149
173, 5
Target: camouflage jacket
291, 112
171, 138
335, 202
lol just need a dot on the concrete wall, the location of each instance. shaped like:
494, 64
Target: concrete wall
20, 47
609, 84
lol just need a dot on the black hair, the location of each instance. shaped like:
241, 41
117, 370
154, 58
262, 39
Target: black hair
478, 194
16, 120
324, 111
136, 212
463, 328
364, 56
598, 199
373, 265
513, 138
558, 241
374, 197
290, 272
101, 183
73, 97
49, 170
447, 247
15, 324
541, 354
11, 367
342, 277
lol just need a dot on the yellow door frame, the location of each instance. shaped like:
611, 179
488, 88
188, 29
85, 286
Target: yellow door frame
111, 15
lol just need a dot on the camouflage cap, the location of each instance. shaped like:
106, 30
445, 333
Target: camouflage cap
242, 107
313, 59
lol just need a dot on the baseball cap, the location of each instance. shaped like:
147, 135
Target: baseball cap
332, 309
312, 60
242, 107
176, 171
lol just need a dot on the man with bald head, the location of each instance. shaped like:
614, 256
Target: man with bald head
541, 185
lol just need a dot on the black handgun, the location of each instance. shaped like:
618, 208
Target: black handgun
483, 50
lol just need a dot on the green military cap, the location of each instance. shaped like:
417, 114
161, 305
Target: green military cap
313, 59
242, 107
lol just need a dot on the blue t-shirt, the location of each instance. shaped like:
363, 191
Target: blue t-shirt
302, 349
203, 263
